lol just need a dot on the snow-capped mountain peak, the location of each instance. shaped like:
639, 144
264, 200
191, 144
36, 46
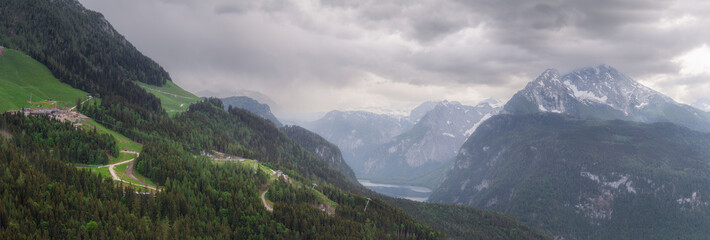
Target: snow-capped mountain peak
602, 92
606, 85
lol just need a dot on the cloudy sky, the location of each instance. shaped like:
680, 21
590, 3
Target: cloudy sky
390, 55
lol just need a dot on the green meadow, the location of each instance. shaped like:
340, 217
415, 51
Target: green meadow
22, 76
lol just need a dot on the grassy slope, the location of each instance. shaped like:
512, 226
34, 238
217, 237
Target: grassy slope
122, 156
173, 98
21, 76
123, 142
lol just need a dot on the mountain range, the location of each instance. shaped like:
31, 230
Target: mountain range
412, 149
358, 132
419, 155
590, 154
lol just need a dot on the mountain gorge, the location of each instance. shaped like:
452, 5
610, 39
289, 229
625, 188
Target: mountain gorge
358, 132
419, 155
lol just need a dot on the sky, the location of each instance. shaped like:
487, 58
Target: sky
391, 55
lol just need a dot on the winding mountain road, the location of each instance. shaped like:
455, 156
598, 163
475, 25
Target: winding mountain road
129, 172
266, 205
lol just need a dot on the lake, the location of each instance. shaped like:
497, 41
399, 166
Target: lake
415, 193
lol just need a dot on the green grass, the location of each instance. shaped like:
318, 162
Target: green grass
21, 76
173, 98
123, 142
103, 170
122, 156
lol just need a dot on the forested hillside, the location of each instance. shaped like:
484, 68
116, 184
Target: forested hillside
206, 126
462, 222
318, 146
583, 179
200, 198
80, 48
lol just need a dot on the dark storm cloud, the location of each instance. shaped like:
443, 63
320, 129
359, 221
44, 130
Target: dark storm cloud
231, 8
354, 51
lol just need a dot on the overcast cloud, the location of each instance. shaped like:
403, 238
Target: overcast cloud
310, 55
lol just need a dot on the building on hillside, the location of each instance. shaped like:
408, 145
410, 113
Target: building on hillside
278, 173
41, 112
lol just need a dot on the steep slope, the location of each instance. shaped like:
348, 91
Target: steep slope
321, 148
249, 104
583, 179
418, 155
603, 92
21, 77
81, 49
358, 132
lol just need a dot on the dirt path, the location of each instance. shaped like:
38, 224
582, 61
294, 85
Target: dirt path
266, 205
72, 108
113, 171
129, 172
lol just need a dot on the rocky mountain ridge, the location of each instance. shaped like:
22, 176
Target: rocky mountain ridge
602, 92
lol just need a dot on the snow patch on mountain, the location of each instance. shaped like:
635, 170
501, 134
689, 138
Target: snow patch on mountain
623, 181
584, 95
475, 126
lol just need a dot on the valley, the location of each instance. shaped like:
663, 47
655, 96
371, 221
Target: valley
97, 140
